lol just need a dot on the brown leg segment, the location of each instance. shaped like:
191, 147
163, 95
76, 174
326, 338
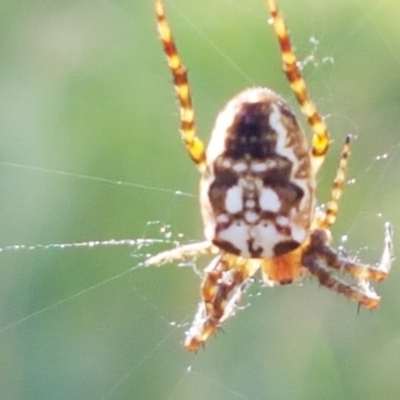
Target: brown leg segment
224, 282
193, 144
361, 294
318, 258
332, 207
320, 140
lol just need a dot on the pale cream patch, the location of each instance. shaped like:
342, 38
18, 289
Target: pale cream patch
222, 219
269, 200
234, 199
237, 234
227, 163
282, 221
258, 167
247, 184
298, 233
251, 217
275, 121
224, 121
258, 183
240, 167
255, 95
250, 203
267, 237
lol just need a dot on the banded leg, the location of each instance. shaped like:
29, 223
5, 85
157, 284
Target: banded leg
318, 247
224, 281
319, 257
320, 140
193, 144
180, 253
363, 294
332, 207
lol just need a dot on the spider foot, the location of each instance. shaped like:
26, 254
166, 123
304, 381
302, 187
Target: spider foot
387, 258
202, 328
365, 273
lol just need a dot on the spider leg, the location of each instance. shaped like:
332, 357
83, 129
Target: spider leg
332, 207
193, 144
224, 281
378, 272
363, 294
362, 272
179, 253
320, 140
319, 257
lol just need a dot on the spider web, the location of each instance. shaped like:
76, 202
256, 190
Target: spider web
94, 179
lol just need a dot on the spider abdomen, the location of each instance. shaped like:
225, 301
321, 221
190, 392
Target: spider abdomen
258, 190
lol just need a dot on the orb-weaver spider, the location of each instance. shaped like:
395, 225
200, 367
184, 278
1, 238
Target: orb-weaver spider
257, 195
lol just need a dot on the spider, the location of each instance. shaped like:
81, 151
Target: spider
258, 195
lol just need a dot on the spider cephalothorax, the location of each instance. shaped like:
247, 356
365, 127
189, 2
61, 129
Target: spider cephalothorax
257, 195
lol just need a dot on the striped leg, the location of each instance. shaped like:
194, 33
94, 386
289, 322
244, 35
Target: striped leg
332, 206
225, 279
182, 252
320, 259
362, 294
193, 144
320, 140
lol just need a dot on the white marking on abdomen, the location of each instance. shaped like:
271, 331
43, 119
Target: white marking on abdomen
258, 167
222, 219
237, 234
239, 167
234, 200
251, 217
267, 237
298, 233
269, 200
275, 121
250, 203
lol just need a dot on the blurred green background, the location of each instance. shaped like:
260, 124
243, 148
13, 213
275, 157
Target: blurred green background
84, 90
